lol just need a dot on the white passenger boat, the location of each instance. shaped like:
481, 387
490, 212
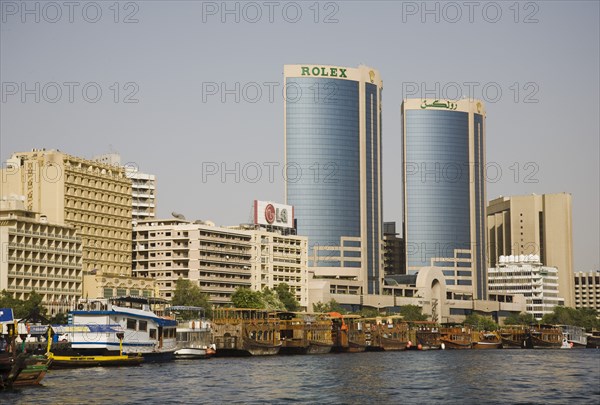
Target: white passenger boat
145, 332
193, 333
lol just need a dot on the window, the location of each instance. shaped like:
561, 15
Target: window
143, 325
121, 292
134, 293
153, 334
131, 323
108, 292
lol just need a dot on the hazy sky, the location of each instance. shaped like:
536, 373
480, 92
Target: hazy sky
535, 64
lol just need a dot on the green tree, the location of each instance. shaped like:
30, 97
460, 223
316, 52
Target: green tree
584, 317
368, 312
189, 294
60, 318
271, 300
523, 318
412, 313
23, 308
331, 306
480, 322
246, 298
287, 297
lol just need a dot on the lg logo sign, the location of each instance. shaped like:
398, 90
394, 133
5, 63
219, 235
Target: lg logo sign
272, 214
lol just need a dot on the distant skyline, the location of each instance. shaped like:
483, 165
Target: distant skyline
185, 96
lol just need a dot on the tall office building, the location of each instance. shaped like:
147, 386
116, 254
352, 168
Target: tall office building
332, 119
143, 187
93, 197
444, 190
535, 224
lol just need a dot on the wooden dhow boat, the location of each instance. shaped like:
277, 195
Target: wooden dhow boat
386, 333
456, 337
515, 337
347, 333
486, 340
246, 332
303, 333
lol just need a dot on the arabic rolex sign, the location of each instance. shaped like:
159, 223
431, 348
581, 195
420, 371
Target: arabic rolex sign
268, 213
323, 71
438, 104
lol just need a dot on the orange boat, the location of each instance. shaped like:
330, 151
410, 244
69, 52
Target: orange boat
347, 333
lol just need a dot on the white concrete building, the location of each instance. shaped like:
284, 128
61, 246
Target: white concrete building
527, 276
219, 259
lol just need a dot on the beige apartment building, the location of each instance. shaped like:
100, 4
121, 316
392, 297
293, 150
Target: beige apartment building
107, 285
39, 255
218, 259
535, 225
93, 197
587, 290
143, 187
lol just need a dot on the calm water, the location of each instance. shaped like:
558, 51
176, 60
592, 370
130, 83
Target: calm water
496, 376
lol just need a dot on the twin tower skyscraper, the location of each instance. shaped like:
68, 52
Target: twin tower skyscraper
333, 156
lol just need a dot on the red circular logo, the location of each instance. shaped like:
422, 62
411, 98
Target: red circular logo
270, 213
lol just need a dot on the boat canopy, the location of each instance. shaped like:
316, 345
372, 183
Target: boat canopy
87, 328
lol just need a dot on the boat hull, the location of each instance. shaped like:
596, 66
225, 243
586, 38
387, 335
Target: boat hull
193, 353
454, 345
486, 345
59, 362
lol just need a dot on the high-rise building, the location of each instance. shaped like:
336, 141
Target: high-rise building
527, 276
587, 290
332, 119
93, 197
444, 190
143, 187
534, 224
39, 255
394, 250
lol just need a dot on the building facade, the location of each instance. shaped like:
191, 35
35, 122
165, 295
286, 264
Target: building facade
93, 197
587, 290
143, 187
527, 276
535, 224
332, 126
444, 187
39, 255
218, 259
394, 250
107, 285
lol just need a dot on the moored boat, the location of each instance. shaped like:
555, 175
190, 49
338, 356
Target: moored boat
424, 335
593, 340
245, 332
36, 367
96, 324
304, 333
486, 340
575, 335
456, 337
515, 337
193, 333
386, 333
347, 333
546, 337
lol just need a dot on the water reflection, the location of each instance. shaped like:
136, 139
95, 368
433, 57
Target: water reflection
500, 376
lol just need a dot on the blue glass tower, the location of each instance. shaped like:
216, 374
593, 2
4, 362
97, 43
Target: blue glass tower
444, 189
333, 167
